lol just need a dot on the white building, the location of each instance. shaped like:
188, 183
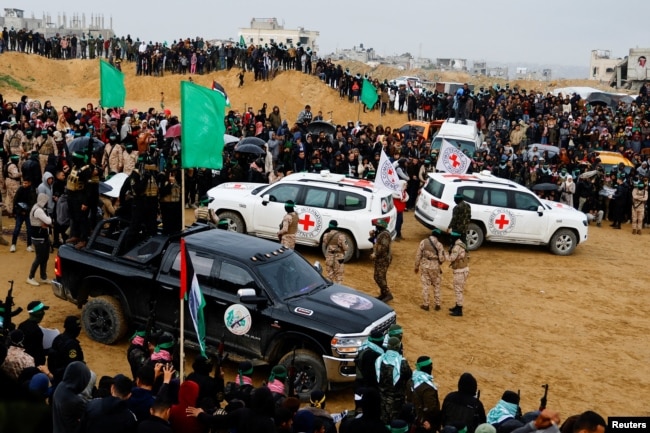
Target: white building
601, 65
268, 31
76, 24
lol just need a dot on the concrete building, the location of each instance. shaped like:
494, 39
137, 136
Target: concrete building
359, 54
601, 65
268, 31
451, 64
76, 24
479, 67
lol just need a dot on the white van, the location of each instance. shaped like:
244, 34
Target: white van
467, 137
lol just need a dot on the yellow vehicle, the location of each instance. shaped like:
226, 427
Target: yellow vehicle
611, 160
427, 129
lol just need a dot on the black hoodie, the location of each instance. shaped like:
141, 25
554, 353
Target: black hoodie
109, 414
67, 405
461, 408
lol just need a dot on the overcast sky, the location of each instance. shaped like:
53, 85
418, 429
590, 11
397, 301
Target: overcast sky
561, 32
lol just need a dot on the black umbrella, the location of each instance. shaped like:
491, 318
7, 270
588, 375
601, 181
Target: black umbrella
250, 148
85, 145
318, 126
545, 187
251, 140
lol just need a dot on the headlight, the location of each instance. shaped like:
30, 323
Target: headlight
347, 345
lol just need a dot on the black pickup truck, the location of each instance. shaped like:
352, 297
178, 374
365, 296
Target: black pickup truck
266, 302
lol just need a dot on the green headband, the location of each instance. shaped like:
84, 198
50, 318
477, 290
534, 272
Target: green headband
167, 345
424, 363
37, 308
400, 429
394, 332
138, 334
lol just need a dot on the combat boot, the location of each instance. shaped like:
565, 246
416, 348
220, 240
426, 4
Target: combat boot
633, 231
458, 311
453, 308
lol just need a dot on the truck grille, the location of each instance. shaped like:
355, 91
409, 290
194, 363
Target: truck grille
383, 326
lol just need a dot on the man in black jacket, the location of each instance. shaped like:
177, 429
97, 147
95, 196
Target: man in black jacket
111, 414
33, 341
462, 408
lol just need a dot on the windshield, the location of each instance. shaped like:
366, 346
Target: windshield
468, 147
291, 276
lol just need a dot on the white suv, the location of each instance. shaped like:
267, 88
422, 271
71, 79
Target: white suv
502, 211
356, 205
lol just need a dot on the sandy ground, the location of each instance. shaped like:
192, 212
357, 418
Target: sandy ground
578, 323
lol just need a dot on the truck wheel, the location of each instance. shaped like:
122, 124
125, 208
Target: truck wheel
309, 372
352, 247
235, 222
563, 242
475, 237
103, 319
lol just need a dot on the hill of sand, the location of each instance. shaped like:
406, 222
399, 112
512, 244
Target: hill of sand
76, 83
577, 323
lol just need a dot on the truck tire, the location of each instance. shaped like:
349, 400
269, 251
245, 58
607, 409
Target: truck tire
103, 320
235, 221
352, 247
563, 242
310, 371
475, 237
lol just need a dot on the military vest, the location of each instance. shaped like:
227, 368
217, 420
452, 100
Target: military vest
293, 225
74, 183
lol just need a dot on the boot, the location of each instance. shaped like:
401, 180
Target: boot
633, 231
638, 231
454, 307
458, 311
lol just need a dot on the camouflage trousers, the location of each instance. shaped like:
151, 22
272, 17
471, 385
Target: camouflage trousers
12, 188
637, 218
460, 277
430, 277
333, 268
381, 268
42, 160
289, 241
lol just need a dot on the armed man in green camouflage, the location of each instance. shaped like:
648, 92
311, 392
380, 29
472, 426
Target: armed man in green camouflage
382, 256
460, 217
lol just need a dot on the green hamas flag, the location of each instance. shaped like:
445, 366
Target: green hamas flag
202, 126
242, 42
111, 82
368, 94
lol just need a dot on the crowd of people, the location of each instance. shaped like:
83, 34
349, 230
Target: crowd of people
54, 389
42, 168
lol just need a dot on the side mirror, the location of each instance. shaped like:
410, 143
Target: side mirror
318, 267
540, 210
248, 296
266, 198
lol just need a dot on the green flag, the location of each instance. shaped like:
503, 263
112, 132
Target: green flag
242, 42
111, 82
368, 94
202, 127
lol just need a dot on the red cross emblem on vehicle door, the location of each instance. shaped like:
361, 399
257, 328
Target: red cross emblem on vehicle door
306, 222
502, 221
454, 160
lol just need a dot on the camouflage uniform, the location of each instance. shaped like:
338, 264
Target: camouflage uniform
13, 142
12, 183
428, 258
382, 257
460, 218
288, 230
639, 199
336, 249
112, 159
45, 146
459, 262
129, 161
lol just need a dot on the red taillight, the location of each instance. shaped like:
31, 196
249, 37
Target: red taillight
374, 221
57, 267
439, 205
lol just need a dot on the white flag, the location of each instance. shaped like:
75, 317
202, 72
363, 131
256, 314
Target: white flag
452, 160
386, 177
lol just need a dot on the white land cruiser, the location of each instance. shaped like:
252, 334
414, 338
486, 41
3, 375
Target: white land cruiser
502, 211
356, 205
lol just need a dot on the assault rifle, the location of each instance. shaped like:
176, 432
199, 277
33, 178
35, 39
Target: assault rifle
7, 312
151, 322
542, 401
292, 375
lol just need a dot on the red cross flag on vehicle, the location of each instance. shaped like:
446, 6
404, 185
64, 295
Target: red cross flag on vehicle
451, 159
